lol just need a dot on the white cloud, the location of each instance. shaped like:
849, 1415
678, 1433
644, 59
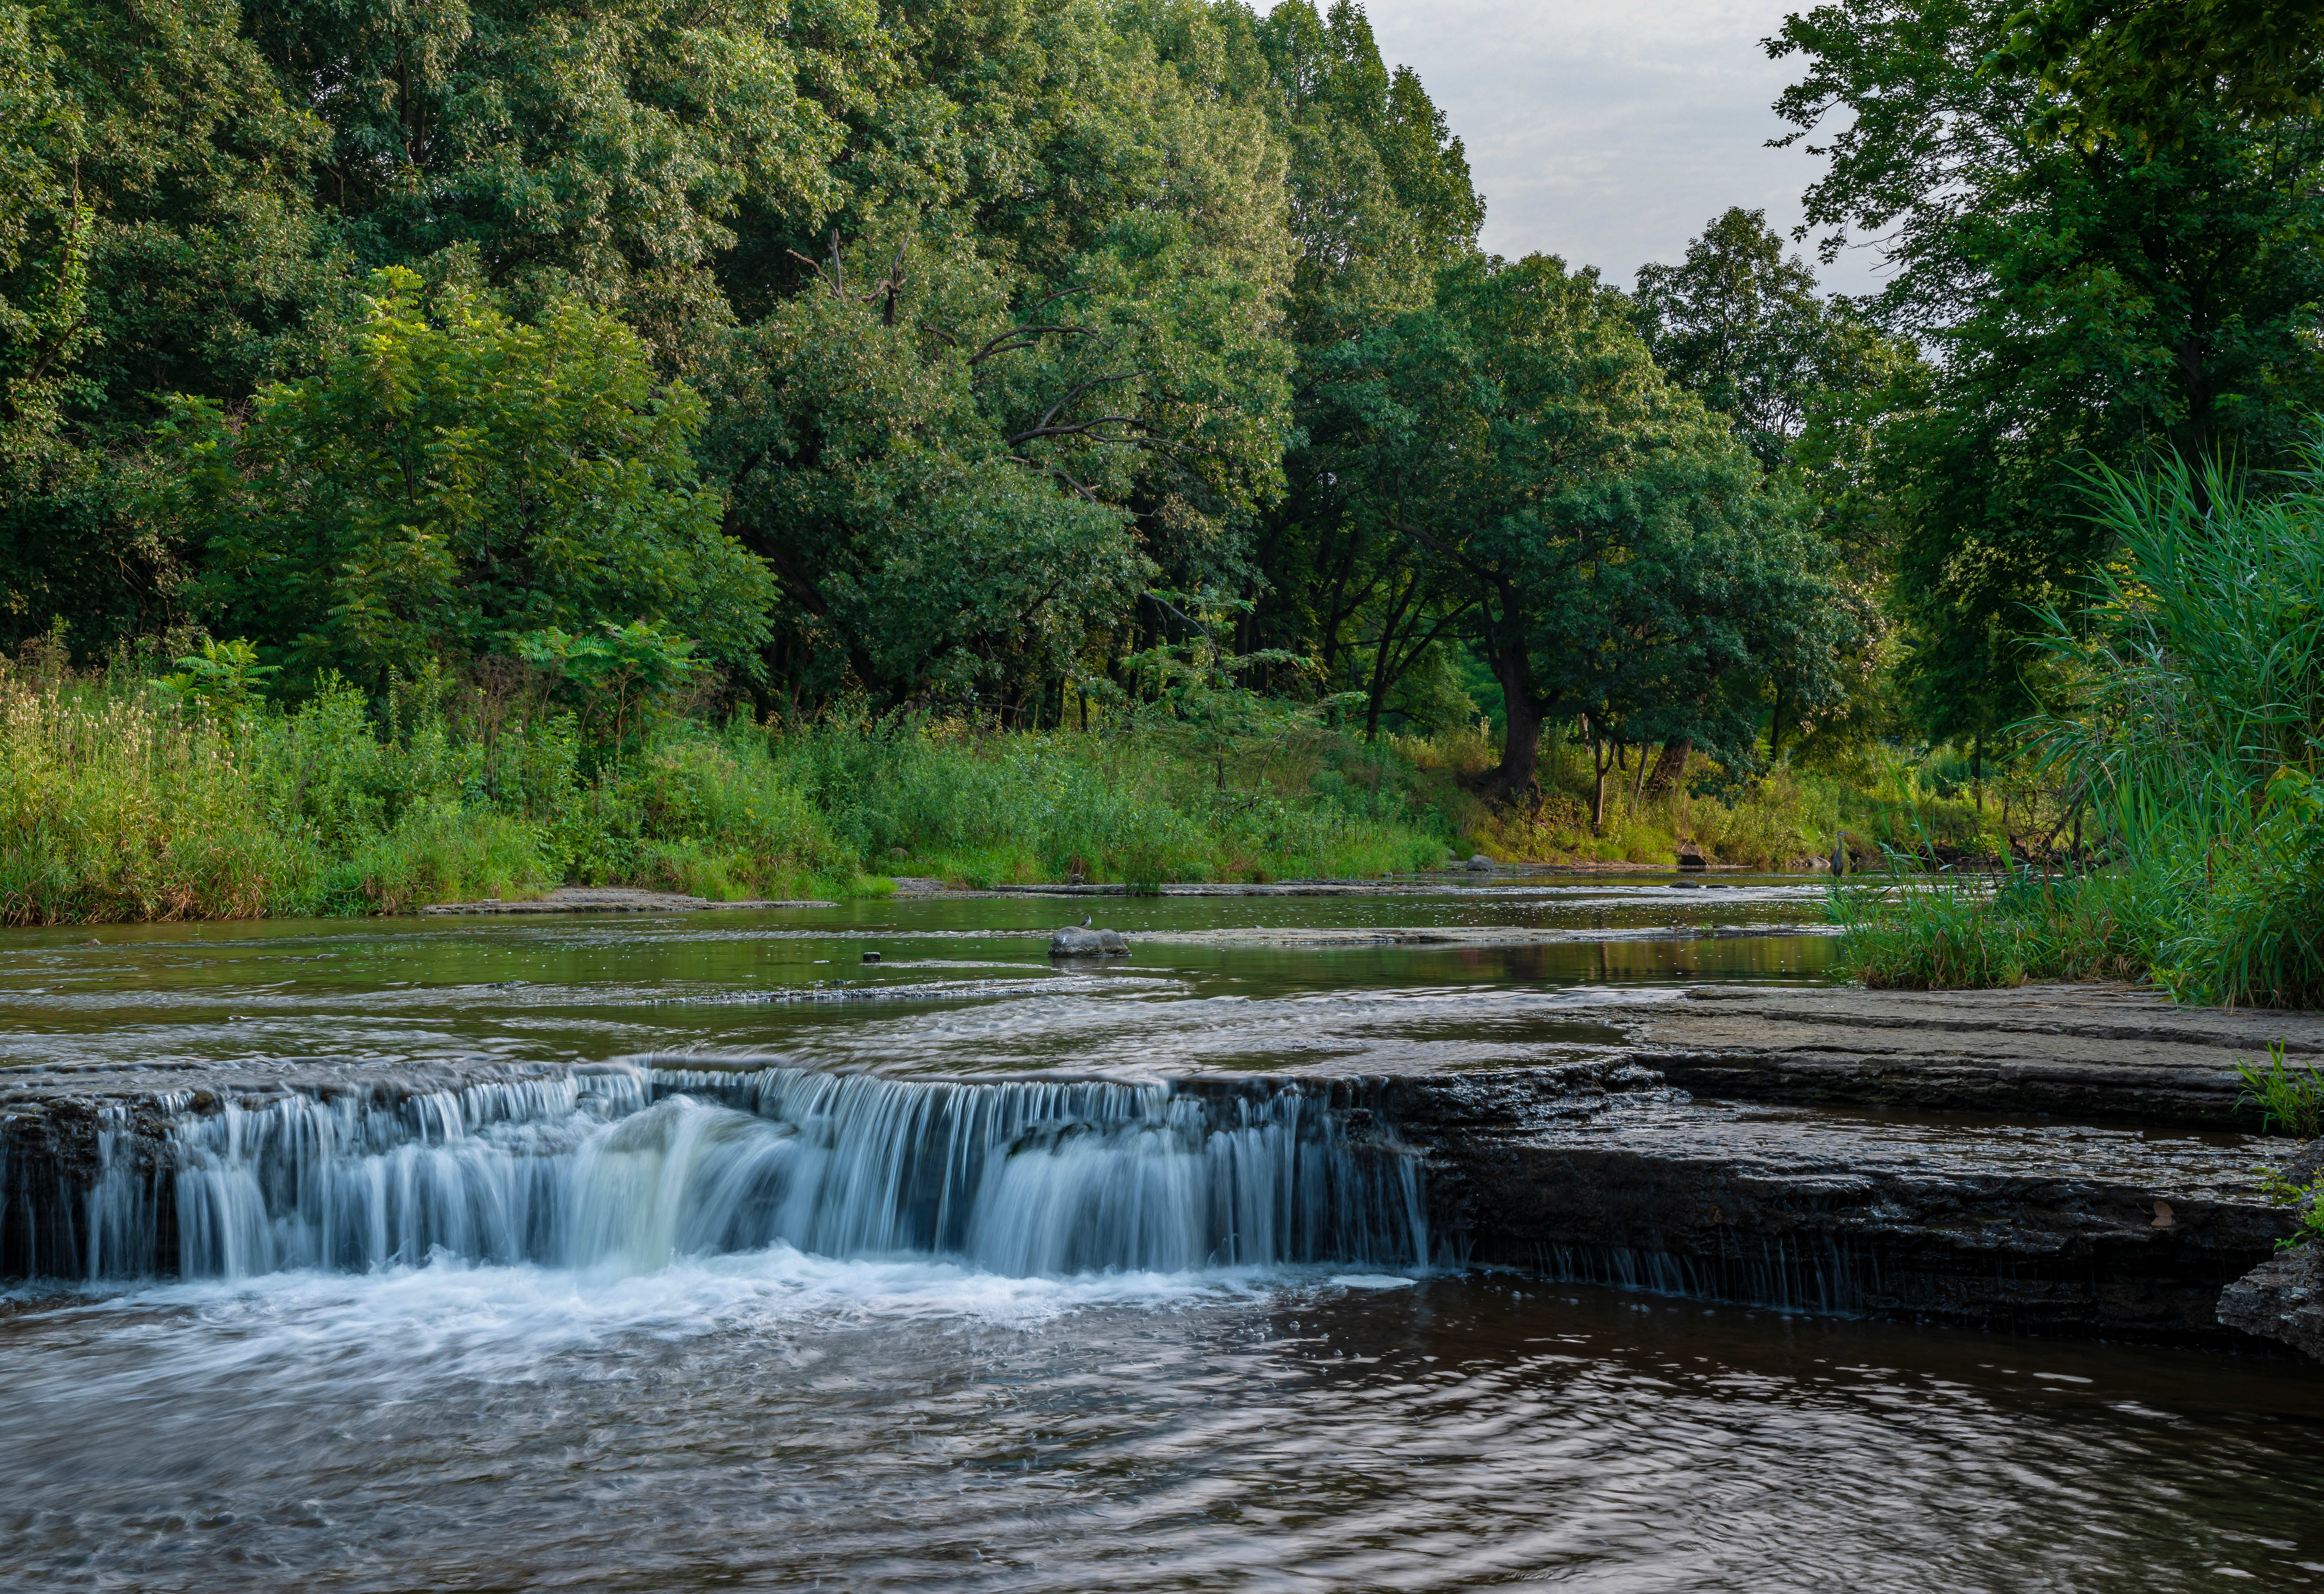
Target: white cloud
1609, 134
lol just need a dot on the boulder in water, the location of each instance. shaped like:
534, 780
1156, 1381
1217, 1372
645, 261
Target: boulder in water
1079, 941
1480, 864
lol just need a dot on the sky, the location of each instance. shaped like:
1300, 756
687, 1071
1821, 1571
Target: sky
1609, 134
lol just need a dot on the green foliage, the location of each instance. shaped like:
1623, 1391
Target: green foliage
623, 677
114, 807
452, 480
2189, 708
2290, 1096
1744, 328
2136, 70
2082, 300
922, 547
223, 678
981, 808
2306, 1200
1964, 933
1611, 551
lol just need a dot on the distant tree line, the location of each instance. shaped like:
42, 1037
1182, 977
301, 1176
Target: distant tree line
961, 353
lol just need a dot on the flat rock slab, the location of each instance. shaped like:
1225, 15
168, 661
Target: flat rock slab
2098, 1053
610, 900
1468, 934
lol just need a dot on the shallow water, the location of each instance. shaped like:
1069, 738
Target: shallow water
774, 1419
777, 1421
961, 986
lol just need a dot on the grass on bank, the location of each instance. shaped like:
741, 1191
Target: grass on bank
2193, 694
115, 805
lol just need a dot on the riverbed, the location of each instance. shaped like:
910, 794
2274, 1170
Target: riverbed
646, 1413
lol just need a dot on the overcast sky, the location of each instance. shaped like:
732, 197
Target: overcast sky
1609, 133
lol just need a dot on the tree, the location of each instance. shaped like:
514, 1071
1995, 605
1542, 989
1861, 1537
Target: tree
2084, 300
923, 545
1618, 555
453, 482
1744, 329
1065, 360
2140, 69
154, 235
1382, 201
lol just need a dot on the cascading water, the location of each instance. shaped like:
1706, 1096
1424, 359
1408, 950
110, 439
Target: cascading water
628, 1169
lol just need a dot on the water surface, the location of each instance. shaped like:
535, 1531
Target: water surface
635, 1418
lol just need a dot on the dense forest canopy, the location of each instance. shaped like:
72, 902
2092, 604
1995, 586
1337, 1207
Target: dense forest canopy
964, 352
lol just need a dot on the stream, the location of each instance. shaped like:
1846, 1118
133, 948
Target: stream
787, 1276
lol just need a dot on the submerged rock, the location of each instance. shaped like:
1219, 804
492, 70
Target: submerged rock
1081, 941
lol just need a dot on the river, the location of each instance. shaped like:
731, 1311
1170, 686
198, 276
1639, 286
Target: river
822, 1317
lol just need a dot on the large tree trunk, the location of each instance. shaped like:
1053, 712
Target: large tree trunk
1670, 766
1520, 749
1522, 746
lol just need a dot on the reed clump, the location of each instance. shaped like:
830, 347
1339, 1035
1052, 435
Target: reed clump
2190, 718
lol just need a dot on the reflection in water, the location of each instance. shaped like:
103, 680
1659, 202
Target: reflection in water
773, 1420
973, 984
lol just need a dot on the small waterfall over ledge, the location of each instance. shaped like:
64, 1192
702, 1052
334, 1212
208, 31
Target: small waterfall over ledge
628, 1169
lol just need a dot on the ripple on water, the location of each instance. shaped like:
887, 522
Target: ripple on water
774, 1418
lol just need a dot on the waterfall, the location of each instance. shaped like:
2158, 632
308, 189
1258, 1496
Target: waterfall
629, 1169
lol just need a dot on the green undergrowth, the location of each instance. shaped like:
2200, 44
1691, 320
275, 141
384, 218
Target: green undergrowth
118, 804
1913, 931
2189, 720
122, 799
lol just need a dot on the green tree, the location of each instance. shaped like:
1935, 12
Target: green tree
922, 545
454, 480
155, 235
2083, 298
1744, 328
1618, 555
1382, 201
979, 425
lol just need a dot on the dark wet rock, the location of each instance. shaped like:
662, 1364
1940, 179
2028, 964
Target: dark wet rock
1079, 941
1479, 864
1689, 858
1616, 1178
2098, 1052
2281, 1299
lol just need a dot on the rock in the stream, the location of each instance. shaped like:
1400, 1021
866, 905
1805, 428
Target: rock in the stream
1479, 864
2283, 1299
1079, 941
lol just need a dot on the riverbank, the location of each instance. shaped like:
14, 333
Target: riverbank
120, 806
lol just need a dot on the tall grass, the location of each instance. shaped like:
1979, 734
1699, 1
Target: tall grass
116, 805
941, 797
2190, 694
